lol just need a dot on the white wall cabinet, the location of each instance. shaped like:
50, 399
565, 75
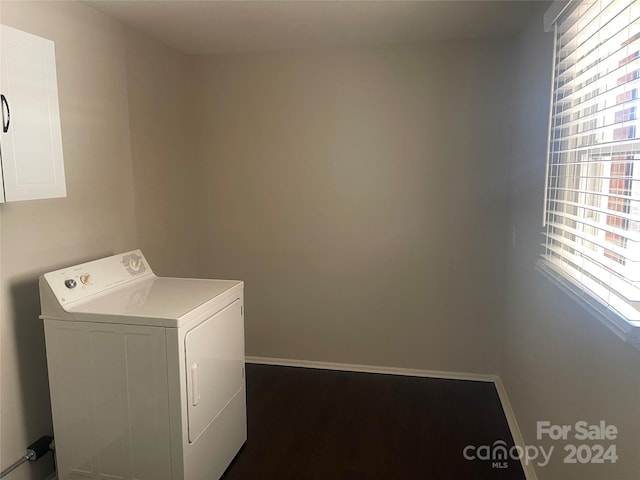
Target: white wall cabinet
31, 140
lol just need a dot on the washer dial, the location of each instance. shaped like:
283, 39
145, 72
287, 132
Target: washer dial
133, 263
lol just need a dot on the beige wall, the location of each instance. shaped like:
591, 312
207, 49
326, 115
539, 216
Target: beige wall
558, 363
99, 215
360, 194
161, 126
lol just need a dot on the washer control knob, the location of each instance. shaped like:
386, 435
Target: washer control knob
135, 264
85, 279
70, 283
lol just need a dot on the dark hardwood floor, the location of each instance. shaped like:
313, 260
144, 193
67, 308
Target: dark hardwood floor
307, 424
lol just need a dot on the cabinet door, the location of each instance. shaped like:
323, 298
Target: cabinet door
1, 181
31, 141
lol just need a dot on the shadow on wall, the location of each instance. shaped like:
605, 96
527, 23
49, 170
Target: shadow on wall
32, 364
31, 361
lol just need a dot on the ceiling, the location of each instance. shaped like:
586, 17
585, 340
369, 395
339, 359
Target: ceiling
208, 26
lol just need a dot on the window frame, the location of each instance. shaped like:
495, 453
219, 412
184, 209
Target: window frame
592, 295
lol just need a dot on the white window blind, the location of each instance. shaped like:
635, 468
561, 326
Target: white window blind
592, 194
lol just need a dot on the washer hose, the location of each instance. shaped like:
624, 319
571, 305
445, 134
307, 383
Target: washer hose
34, 451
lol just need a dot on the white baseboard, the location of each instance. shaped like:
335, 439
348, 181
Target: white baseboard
477, 377
352, 367
53, 476
518, 439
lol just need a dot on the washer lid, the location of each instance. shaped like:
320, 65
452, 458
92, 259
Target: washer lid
154, 298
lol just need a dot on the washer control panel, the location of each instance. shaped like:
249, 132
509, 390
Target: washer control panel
80, 281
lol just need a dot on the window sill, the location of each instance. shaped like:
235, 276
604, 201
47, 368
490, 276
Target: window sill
621, 327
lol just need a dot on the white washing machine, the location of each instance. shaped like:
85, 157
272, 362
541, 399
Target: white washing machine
146, 373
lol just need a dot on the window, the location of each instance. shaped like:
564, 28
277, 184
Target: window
592, 193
